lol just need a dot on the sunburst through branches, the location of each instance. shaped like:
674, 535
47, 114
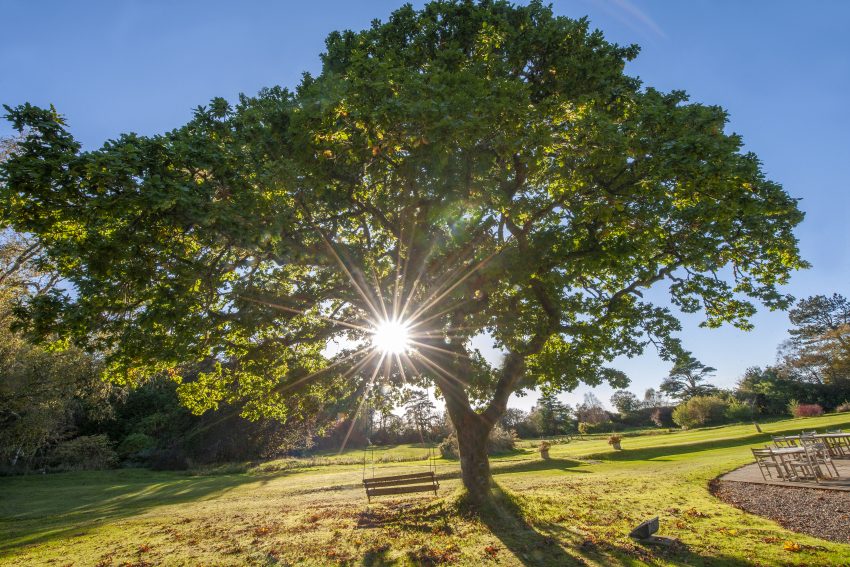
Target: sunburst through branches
397, 329
391, 337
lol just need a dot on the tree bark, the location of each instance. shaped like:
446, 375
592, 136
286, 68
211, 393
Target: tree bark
472, 433
473, 428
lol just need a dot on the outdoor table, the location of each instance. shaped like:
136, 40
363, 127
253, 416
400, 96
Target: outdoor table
789, 440
788, 450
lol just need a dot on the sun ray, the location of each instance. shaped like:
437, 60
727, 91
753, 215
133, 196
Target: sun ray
380, 294
416, 281
410, 362
312, 375
306, 314
439, 349
445, 335
282, 388
401, 272
430, 302
359, 365
366, 394
447, 279
440, 370
351, 277
400, 367
430, 318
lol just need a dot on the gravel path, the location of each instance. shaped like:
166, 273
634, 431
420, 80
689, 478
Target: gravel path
820, 513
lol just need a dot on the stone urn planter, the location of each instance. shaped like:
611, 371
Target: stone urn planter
614, 441
544, 449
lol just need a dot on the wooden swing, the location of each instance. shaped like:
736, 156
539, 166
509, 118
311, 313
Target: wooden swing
400, 484
425, 481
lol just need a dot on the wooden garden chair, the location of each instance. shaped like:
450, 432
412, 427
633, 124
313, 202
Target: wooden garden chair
835, 445
800, 467
838, 446
818, 455
766, 462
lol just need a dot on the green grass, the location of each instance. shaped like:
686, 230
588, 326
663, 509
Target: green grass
575, 508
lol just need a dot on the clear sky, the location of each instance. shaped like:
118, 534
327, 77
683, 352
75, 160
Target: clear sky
781, 68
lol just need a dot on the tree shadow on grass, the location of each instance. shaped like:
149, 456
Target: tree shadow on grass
510, 518
36, 509
536, 464
505, 519
549, 543
658, 452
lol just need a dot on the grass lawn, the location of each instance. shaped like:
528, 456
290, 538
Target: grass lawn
575, 508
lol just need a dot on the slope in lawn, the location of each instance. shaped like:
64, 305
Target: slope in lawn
574, 508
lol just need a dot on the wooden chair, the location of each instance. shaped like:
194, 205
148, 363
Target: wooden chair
818, 456
401, 484
798, 466
835, 446
766, 461
785, 441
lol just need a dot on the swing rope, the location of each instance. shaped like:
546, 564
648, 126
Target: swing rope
370, 447
401, 484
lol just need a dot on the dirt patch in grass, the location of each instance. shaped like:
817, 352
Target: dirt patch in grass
820, 513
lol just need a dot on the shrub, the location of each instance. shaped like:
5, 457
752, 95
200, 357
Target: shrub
88, 452
842, 407
700, 410
603, 427
808, 410
647, 417
662, 416
792, 407
173, 458
500, 441
136, 445
448, 447
583, 428
739, 411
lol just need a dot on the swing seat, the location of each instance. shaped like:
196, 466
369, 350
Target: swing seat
401, 484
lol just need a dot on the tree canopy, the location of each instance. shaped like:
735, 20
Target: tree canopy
819, 348
469, 168
625, 402
687, 379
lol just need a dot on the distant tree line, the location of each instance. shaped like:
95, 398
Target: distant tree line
811, 375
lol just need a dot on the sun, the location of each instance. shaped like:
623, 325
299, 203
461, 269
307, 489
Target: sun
391, 337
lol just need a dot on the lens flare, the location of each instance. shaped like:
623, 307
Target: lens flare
391, 337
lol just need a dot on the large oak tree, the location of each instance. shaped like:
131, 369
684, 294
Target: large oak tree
473, 168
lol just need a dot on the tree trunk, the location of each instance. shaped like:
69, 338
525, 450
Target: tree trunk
472, 433
473, 428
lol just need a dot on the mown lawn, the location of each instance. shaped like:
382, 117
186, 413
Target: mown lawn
575, 508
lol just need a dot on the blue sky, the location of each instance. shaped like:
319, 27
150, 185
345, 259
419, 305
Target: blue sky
782, 69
